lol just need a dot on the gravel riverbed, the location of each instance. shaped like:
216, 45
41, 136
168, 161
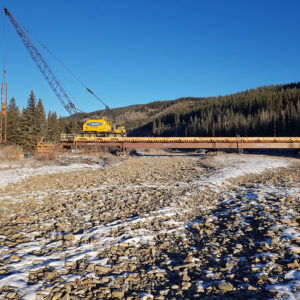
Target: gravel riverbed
178, 227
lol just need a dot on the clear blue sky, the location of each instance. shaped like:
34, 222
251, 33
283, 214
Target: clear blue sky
138, 51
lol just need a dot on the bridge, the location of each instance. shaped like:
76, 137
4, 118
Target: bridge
239, 143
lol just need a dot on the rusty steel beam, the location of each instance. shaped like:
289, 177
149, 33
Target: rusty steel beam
187, 145
79, 138
217, 145
92, 138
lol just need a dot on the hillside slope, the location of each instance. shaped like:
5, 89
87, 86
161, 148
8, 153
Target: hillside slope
137, 115
265, 111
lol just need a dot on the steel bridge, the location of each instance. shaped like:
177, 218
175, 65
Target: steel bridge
239, 143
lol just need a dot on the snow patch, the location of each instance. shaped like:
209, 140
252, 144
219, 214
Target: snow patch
240, 165
16, 175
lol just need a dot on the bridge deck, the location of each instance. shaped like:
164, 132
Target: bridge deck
185, 142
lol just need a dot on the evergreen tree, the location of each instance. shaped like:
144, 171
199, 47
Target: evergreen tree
31, 105
73, 126
53, 127
28, 126
41, 121
26, 131
13, 122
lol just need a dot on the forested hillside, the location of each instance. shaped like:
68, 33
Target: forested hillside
134, 116
265, 111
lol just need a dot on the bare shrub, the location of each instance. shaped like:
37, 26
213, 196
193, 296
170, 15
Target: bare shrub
11, 153
46, 156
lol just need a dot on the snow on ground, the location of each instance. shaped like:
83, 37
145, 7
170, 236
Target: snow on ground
16, 174
239, 165
232, 166
58, 259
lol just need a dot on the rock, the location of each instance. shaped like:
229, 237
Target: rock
239, 246
294, 264
199, 287
225, 286
185, 277
105, 279
56, 296
69, 237
174, 287
188, 259
294, 250
164, 292
186, 285
117, 294
15, 257
11, 295
50, 275
102, 269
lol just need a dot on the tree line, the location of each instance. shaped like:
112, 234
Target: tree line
30, 125
266, 111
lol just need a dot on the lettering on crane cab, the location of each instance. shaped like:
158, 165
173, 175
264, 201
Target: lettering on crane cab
94, 124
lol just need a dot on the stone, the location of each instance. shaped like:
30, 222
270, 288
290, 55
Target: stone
49, 275
102, 269
15, 257
225, 286
56, 296
174, 287
105, 279
117, 294
200, 288
11, 295
188, 259
69, 237
262, 276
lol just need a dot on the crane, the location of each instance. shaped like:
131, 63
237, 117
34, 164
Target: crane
44, 68
97, 127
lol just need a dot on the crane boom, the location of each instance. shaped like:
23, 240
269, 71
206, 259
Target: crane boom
43, 67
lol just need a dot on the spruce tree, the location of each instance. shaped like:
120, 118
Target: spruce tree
26, 131
54, 129
41, 121
28, 125
13, 122
73, 126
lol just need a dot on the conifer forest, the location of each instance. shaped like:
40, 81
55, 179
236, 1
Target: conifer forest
265, 111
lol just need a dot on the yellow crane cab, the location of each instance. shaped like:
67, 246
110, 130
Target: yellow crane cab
102, 128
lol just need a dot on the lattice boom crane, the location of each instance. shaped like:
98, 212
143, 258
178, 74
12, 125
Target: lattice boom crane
43, 67
96, 127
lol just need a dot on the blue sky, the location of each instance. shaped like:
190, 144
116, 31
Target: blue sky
138, 51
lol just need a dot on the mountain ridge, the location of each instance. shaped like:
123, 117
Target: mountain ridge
275, 104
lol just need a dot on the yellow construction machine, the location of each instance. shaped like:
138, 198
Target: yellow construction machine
102, 128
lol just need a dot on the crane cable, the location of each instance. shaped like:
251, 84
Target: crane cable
4, 46
67, 69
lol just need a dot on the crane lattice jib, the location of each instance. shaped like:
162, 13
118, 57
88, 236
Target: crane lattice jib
43, 67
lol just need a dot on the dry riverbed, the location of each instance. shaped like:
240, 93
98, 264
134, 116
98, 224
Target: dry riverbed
176, 227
